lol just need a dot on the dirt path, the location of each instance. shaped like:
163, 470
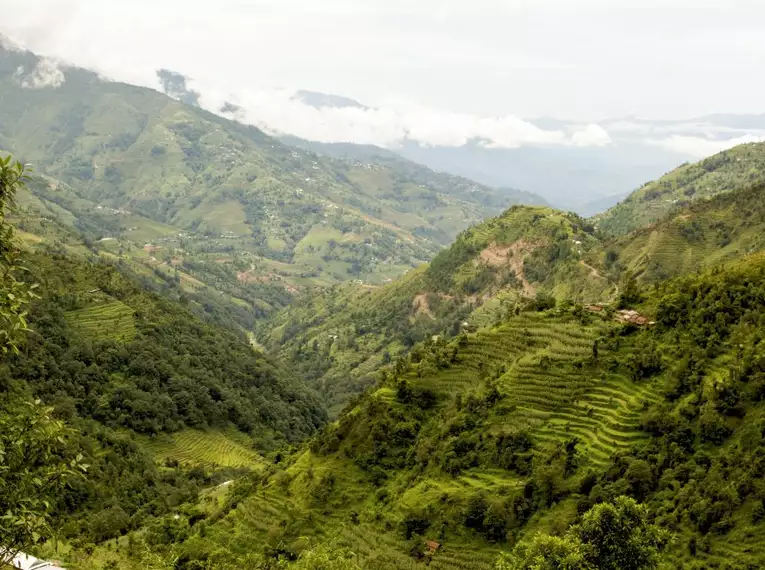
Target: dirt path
593, 271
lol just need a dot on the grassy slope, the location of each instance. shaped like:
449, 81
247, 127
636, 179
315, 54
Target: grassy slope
127, 147
386, 460
339, 337
729, 170
706, 233
221, 448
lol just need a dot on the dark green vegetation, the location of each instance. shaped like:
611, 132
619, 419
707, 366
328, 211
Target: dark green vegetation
732, 169
104, 348
35, 464
131, 374
126, 368
523, 426
339, 337
240, 221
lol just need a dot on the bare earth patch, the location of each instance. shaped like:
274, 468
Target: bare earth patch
420, 305
512, 256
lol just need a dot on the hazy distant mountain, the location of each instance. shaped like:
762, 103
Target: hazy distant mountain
414, 171
567, 177
319, 100
571, 173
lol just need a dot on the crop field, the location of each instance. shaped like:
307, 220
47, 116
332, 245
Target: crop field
197, 447
290, 504
112, 320
532, 357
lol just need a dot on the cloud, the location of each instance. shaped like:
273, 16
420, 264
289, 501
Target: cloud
46, 73
282, 111
699, 147
591, 135
10, 45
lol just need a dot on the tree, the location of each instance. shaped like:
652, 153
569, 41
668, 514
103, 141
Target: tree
33, 470
547, 553
630, 294
15, 295
611, 536
33, 464
621, 536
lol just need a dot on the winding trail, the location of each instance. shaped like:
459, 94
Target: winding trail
595, 273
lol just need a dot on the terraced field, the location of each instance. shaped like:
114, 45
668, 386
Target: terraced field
542, 363
534, 358
375, 548
109, 320
212, 448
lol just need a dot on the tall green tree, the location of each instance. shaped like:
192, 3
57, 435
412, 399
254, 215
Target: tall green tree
611, 536
15, 295
33, 448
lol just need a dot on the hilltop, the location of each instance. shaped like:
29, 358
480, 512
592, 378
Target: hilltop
732, 169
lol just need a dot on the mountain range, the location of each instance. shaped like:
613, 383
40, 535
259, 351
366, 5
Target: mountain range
586, 178
222, 203
276, 353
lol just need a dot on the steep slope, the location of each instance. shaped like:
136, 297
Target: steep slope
159, 404
339, 337
236, 193
738, 167
149, 365
522, 426
705, 233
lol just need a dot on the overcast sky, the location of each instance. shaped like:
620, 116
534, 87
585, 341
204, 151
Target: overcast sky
582, 60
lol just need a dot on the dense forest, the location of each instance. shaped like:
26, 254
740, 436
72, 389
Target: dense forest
116, 363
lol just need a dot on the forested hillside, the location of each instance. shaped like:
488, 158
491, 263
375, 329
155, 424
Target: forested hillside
519, 428
338, 337
170, 185
126, 368
732, 169
137, 380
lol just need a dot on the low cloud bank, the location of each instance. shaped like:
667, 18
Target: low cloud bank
282, 111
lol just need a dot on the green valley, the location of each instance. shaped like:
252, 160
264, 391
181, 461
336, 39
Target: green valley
220, 351
231, 210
